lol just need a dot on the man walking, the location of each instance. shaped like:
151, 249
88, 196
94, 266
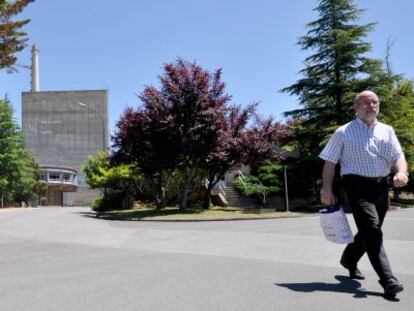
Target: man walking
366, 149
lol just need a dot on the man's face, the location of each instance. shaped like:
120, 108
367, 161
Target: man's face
367, 106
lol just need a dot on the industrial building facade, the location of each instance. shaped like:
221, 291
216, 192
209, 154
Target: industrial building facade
62, 128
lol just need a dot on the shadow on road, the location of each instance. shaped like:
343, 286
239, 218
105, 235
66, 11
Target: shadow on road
87, 214
345, 285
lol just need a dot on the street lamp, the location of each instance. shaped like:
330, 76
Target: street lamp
286, 187
102, 121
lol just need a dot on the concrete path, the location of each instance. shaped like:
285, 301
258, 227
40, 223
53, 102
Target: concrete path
64, 259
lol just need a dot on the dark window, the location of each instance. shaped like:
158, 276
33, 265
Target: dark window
54, 176
66, 177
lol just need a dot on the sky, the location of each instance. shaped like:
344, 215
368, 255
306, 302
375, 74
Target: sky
122, 45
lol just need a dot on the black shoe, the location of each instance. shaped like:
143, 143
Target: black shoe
392, 289
354, 273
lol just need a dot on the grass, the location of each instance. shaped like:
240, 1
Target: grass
192, 214
405, 200
407, 203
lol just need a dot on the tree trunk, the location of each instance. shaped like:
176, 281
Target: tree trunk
207, 196
160, 201
188, 176
158, 191
183, 198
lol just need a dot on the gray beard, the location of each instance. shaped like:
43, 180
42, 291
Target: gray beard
369, 116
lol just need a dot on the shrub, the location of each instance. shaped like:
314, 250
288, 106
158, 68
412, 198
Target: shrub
249, 185
113, 200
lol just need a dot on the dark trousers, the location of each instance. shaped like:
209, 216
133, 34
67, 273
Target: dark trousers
369, 202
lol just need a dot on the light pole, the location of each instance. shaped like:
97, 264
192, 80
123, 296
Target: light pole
102, 121
286, 187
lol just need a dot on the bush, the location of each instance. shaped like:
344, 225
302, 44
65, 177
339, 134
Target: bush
265, 180
113, 200
249, 186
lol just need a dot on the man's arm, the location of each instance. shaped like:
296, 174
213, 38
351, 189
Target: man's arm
327, 197
401, 175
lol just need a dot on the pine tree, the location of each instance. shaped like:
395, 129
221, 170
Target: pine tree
334, 73
337, 70
12, 38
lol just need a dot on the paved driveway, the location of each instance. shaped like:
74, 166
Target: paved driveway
63, 259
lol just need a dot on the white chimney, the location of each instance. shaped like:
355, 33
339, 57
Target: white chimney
35, 69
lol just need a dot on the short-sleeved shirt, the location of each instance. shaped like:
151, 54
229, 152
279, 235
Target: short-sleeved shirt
362, 150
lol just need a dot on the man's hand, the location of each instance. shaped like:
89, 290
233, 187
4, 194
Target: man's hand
327, 197
400, 180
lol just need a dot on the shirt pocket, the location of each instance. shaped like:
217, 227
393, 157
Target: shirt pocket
384, 148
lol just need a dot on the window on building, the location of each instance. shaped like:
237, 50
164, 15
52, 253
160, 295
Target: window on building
54, 176
66, 177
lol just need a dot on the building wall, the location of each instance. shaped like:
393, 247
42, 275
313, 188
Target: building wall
59, 131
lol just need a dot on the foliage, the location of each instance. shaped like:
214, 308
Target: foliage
29, 188
261, 142
187, 130
249, 185
242, 144
266, 180
19, 177
397, 110
100, 174
12, 38
121, 183
270, 175
175, 129
229, 152
113, 200
336, 71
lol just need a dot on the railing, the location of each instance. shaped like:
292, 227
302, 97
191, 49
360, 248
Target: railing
242, 179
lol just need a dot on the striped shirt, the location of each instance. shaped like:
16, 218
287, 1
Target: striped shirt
362, 150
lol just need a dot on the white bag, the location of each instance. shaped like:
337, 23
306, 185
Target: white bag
335, 225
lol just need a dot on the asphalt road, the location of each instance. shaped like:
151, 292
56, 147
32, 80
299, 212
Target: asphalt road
64, 259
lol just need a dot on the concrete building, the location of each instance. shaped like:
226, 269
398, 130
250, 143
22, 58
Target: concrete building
62, 128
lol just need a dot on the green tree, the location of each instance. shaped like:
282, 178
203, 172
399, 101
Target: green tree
19, 172
120, 182
265, 180
12, 38
28, 188
397, 110
99, 173
333, 75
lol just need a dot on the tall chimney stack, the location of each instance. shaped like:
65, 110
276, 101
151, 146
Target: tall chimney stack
35, 69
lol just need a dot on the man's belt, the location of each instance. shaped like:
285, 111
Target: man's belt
372, 179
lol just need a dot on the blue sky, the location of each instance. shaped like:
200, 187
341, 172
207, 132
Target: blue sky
122, 45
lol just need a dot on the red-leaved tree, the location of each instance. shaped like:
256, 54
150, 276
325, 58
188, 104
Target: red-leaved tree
228, 154
262, 141
176, 128
187, 129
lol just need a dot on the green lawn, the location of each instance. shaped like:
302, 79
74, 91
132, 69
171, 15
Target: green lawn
195, 214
